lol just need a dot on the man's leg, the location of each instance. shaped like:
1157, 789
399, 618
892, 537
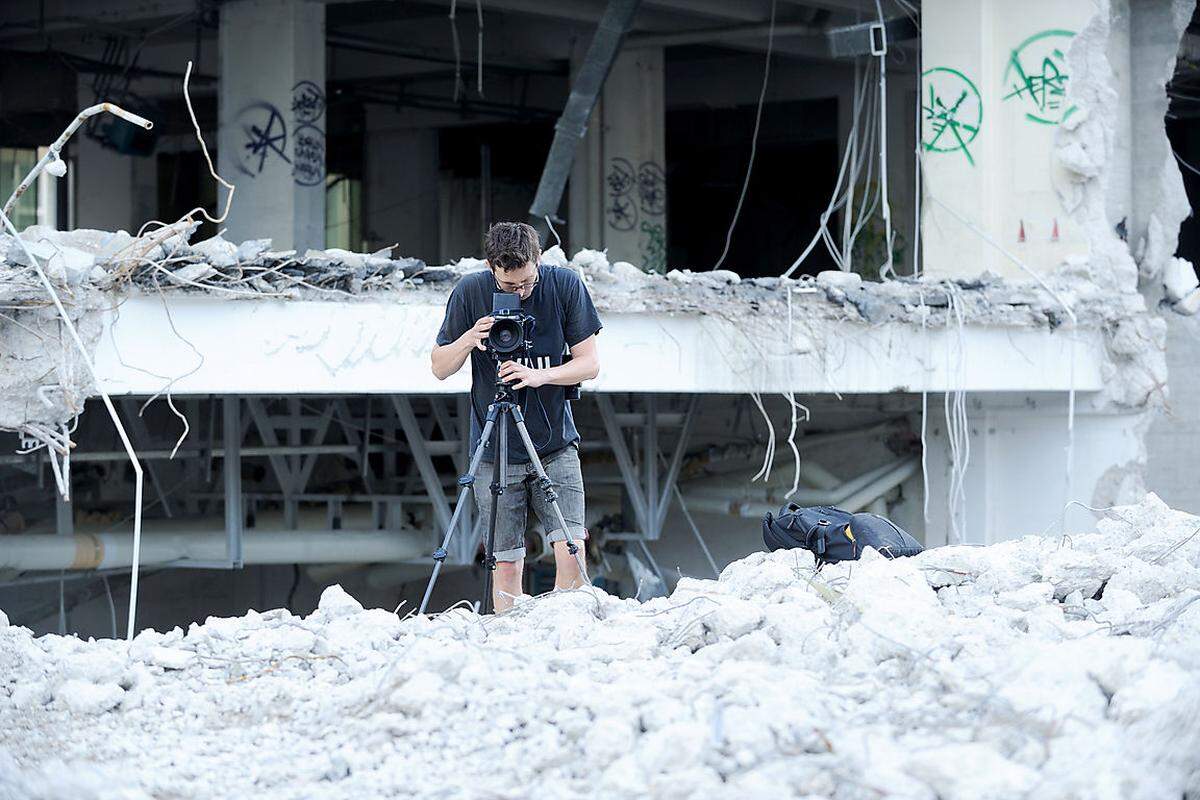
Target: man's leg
563, 469
566, 567
507, 585
510, 532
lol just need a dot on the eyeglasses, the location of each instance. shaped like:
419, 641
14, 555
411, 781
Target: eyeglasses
513, 288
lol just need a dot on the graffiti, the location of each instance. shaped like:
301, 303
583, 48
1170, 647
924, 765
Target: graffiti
620, 210
621, 213
652, 189
1036, 76
308, 156
653, 247
620, 176
308, 102
265, 136
951, 112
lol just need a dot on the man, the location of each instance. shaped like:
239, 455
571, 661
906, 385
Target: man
566, 321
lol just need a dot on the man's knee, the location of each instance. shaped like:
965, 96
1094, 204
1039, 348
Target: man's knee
508, 570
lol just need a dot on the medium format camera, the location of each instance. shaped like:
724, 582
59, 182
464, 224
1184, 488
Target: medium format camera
512, 331
511, 336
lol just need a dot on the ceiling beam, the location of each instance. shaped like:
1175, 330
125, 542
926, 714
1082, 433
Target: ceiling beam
740, 10
721, 35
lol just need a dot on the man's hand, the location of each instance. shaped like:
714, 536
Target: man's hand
478, 333
524, 376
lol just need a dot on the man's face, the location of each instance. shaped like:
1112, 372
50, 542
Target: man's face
517, 281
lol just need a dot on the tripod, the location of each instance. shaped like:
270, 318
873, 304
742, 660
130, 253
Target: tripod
495, 426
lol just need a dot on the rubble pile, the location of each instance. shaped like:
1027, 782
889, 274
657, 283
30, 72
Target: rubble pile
1041, 667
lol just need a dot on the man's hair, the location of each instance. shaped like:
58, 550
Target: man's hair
512, 245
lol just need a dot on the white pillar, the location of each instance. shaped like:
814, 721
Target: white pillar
272, 112
1015, 480
635, 185
993, 95
104, 179
400, 191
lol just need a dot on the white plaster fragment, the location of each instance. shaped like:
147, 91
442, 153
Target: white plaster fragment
1179, 279
839, 279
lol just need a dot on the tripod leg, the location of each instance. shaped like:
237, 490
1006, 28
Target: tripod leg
464, 481
572, 547
499, 477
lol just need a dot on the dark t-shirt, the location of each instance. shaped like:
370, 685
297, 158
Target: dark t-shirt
565, 317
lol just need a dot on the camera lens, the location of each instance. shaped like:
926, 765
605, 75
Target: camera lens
505, 335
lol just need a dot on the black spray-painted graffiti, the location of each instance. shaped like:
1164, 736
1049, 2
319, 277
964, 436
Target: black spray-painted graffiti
652, 189
620, 209
308, 156
1036, 76
265, 136
951, 112
308, 102
638, 194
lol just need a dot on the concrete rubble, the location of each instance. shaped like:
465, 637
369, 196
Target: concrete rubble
1049, 667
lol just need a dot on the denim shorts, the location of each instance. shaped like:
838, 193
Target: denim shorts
522, 493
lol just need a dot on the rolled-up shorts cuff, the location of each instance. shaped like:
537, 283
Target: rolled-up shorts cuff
559, 536
516, 554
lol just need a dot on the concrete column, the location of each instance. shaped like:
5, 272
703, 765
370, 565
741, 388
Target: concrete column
1016, 481
104, 180
994, 91
585, 193
400, 192
271, 141
633, 185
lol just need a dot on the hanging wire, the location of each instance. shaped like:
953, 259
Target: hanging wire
762, 94
479, 47
458, 79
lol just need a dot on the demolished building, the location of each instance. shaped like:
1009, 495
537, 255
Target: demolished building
997, 375
979, 329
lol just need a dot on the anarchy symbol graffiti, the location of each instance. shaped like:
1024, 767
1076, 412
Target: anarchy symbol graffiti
1036, 76
951, 112
264, 137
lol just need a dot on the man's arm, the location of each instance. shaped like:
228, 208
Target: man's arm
583, 366
447, 359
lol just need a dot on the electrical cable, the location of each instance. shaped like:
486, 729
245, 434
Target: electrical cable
479, 47
762, 94
887, 271
112, 608
864, 105
1181, 161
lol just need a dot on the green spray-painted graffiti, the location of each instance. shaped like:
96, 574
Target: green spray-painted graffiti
1036, 76
653, 247
951, 112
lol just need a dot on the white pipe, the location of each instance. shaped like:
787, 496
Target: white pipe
52, 152
259, 546
852, 496
435, 449
52, 155
86, 357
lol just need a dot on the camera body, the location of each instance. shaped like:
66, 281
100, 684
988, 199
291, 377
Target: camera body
511, 336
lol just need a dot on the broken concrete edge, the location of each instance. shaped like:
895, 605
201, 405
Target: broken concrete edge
116, 263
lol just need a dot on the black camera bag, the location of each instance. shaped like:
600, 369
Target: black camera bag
833, 534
